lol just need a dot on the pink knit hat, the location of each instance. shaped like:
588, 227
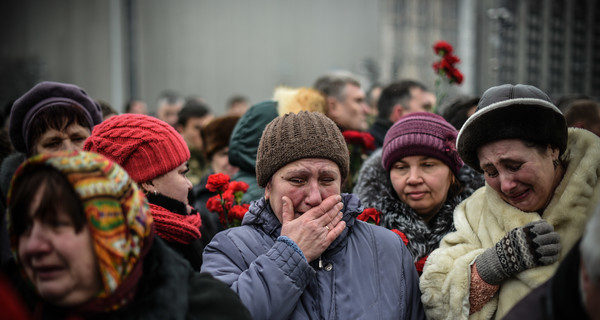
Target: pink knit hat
421, 133
145, 146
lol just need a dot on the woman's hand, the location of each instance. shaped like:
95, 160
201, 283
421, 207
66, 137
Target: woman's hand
316, 229
532, 245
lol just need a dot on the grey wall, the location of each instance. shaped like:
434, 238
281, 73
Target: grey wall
208, 48
217, 48
55, 40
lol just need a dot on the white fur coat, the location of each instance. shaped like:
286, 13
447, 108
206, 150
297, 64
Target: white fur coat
484, 218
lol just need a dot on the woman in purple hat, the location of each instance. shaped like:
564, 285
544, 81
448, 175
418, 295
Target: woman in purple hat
416, 180
51, 116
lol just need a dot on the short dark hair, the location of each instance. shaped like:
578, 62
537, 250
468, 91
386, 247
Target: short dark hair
58, 194
586, 111
456, 112
193, 108
394, 93
56, 117
236, 99
107, 109
129, 104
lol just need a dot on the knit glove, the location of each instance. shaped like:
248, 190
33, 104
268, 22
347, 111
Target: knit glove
532, 245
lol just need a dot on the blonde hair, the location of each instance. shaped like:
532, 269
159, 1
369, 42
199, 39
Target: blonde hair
298, 99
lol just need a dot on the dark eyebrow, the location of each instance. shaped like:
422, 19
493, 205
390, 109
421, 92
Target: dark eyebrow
503, 162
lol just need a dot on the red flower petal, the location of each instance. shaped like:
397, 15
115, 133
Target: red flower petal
217, 182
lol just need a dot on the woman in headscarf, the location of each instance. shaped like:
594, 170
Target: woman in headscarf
84, 240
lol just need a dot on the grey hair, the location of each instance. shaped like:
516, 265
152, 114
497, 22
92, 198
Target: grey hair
590, 246
334, 84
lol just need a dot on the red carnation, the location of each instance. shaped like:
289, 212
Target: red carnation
454, 75
402, 235
238, 211
214, 204
351, 136
442, 47
237, 186
370, 215
228, 198
420, 264
451, 59
217, 182
369, 141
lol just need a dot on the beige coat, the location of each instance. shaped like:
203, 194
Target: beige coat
482, 219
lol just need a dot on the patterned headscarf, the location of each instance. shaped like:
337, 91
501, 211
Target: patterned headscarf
117, 216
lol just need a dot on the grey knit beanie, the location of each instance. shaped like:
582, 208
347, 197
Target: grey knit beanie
512, 112
293, 137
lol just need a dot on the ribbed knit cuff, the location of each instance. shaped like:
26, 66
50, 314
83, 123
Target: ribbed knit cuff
480, 291
292, 244
489, 267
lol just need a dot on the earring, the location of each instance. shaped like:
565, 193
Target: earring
155, 192
555, 162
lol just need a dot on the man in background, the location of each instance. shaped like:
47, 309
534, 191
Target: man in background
396, 100
346, 101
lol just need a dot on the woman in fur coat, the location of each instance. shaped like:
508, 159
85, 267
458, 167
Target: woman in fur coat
416, 180
512, 234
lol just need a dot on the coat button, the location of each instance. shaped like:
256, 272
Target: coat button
328, 267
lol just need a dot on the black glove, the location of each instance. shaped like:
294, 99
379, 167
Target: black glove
532, 245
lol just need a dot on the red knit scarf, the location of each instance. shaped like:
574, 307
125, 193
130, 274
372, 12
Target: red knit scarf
174, 227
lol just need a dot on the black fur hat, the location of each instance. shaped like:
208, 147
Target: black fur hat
512, 112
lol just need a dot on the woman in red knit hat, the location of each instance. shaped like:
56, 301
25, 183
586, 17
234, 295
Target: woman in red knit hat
155, 156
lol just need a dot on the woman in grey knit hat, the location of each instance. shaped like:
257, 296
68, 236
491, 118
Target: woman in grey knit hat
511, 235
300, 252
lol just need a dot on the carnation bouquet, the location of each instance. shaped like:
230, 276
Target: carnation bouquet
227, 203
445, 70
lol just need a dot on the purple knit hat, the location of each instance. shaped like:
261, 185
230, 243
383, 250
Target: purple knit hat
421, 133
44, 95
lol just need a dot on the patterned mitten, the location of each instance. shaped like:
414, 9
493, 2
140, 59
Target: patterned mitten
532, 245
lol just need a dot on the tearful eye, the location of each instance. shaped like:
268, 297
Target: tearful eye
491, 174
514, 167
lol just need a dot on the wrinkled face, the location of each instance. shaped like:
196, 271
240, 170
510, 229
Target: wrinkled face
174, 184
307, 182
69, 139
192, 131
422, 183
60, 262
220, 163
350, 113
522, 176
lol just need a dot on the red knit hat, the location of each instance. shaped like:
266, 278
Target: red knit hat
421, 133
145, 146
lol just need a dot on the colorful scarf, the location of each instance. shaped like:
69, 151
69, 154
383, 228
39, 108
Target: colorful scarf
117, 216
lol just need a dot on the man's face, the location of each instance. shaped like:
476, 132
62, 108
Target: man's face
192, 131
169, 113
420, 101
351, 112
